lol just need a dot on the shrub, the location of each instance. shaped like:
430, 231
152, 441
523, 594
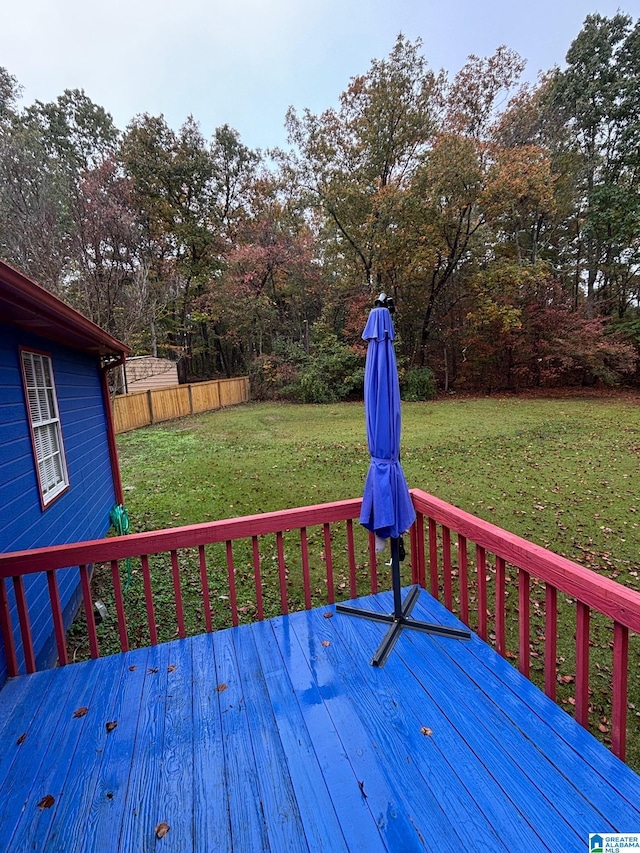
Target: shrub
418, 383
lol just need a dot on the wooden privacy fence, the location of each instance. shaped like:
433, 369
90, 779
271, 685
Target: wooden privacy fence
142, 408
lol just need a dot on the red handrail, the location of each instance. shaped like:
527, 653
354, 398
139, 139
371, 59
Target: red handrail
534, 565
591, 591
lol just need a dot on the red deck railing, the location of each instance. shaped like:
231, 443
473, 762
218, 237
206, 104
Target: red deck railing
440, 529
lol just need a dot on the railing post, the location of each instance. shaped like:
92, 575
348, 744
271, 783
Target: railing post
446, 568
524, 629
620, 687
550, 640
420, 550
433, 558
582, 664
7, 632
463, 579
500, 605
481, 568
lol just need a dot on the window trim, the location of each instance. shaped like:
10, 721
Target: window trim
48, 497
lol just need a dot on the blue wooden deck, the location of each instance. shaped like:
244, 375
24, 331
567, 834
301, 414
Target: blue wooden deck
281, 736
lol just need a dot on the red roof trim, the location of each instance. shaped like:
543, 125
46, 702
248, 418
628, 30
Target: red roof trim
27, 304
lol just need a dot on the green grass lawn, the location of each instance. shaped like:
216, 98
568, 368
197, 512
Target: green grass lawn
560, 472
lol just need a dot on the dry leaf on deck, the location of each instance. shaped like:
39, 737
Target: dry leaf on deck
328, 614
21, 739
80, 712
221, 687
425, 731
326, 643
162, 829
171, 668
111, 725
46, 802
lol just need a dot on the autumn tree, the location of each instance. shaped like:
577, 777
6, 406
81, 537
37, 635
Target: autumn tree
356, 161
597, 98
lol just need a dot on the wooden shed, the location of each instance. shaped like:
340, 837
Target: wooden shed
146, 373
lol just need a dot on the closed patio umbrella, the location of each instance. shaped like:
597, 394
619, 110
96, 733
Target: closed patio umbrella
387, 510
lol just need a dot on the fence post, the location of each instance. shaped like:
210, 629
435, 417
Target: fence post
190, 399
150, 402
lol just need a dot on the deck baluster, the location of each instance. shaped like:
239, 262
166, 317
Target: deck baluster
282, 571
122, 621
373, 565
463, 579
351, 551
433, 558
56, 615
204, 584
421, 568
446, 568
148, 600
177, 594
550, 640
85, 581
257, 576
582, 664
500, 606
620, 687
7, 632
328, 558
231, 574
25, 626
306, 582
524, 622
481, 567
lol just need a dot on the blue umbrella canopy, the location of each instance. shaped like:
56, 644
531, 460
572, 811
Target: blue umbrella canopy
386, 504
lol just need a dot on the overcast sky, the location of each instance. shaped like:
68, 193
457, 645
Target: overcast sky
244, 62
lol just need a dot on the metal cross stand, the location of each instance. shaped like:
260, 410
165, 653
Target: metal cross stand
400, 618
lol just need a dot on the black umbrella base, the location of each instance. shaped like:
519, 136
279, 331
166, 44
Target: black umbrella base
400, 619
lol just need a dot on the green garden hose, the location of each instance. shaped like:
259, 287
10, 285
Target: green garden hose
119, 518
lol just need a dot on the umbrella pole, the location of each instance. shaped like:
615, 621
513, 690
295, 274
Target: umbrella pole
400, 618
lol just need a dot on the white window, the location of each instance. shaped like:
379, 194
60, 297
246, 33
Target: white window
40, 391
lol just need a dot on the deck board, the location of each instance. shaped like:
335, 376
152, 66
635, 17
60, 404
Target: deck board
613, 785
280, 736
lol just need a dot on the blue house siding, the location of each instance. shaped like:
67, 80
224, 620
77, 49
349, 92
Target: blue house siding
82, 511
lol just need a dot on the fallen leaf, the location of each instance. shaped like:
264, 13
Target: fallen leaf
171, 668
131, 668
425, 731
153, 669
46, 802
111, 726
603, 728
326, 643
221, 687
162, 829
80, 712
328, 614
21, 739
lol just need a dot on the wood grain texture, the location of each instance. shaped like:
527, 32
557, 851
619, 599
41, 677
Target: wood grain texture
279, 736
